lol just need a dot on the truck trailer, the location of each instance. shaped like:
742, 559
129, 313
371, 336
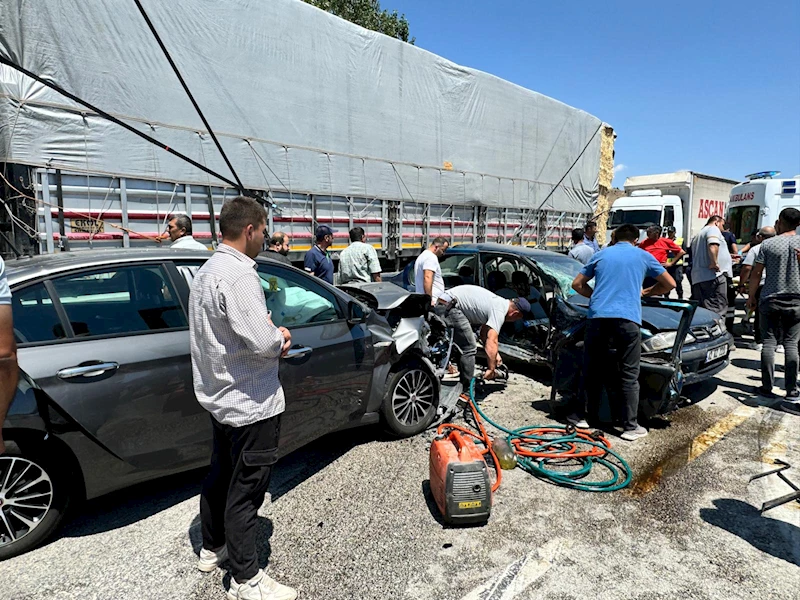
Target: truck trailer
684, 200
327, 123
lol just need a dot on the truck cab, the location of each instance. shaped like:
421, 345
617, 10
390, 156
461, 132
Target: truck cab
757, 202
644, 208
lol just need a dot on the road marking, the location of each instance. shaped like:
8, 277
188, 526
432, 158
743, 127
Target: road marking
719, 430
646, 483
520, 574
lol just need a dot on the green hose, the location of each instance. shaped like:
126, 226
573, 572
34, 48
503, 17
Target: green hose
620, 473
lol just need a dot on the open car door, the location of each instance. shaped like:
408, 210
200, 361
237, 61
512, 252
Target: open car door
660, 377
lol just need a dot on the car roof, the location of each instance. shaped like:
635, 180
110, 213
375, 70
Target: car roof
503, 248
22, 269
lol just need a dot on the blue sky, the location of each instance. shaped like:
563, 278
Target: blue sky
707, 86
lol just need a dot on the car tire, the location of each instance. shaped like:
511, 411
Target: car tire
46, 501
411, 400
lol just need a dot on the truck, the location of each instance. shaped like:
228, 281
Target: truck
684, 200
325, 122
758, 201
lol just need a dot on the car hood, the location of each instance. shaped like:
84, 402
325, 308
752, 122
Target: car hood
385, 294
659, 318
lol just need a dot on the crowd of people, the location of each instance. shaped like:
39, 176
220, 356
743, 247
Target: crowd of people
628, 269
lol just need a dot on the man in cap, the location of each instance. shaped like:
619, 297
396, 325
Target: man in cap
478, 307
317, 260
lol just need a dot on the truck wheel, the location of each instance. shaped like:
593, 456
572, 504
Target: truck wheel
410, 401
34, 495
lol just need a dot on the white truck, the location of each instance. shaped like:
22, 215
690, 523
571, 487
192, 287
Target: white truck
758, 201
684, 200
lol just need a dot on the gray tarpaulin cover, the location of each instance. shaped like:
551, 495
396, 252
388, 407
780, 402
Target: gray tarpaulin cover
300, 100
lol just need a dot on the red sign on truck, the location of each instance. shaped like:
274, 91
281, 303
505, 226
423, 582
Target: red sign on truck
708, 208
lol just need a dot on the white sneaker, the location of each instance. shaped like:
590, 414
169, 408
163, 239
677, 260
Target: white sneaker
631, 435
211, 559
260, 587
779, 349
575, 420
758, 347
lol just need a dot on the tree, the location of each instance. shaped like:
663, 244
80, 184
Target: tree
368, 14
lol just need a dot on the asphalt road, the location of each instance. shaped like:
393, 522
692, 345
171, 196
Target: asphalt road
349, 518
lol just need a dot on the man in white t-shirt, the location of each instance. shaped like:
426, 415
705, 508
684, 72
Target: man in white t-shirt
428, 273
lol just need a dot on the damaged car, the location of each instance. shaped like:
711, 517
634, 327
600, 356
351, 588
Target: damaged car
697, 349
106, 398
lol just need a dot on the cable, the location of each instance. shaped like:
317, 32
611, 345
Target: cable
547, 451
115, 120
239, 185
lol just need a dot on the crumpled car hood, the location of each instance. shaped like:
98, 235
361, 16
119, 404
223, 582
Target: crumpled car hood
387, 295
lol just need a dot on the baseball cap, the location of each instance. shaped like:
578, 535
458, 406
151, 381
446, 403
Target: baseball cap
522, 304
324, 230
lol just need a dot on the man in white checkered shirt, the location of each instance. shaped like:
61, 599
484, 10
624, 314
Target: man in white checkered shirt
235, 352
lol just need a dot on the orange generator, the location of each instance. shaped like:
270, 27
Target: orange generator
459, 479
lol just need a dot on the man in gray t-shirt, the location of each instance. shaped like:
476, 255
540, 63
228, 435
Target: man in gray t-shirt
711, 266
780, 305
580, 251
476, 306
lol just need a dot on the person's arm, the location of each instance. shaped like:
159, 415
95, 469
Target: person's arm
427, 283
744, 277
581, 285
374, 265
9, 371
752, 284
492, 349
679, 252
249, 318
713, 257
309, 262
664, 285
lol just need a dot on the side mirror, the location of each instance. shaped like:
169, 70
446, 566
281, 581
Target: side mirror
356, 314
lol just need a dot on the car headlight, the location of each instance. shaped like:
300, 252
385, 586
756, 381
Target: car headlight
718, 329
660, 342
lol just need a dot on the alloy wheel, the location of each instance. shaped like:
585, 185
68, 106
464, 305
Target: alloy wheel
413, 397
26, 494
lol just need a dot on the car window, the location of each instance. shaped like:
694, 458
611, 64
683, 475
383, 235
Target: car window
296, 299
508, 276
120, 300
459, 269
35, 316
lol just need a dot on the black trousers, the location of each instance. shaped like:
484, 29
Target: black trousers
241, 467
612, 351
730, 311
677, 275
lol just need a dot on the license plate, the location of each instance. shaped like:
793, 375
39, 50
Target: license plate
716, 353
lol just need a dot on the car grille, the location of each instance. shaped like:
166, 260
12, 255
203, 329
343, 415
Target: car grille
703, 334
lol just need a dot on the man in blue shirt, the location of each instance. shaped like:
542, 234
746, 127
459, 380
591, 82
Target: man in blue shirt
317, 261
613, 340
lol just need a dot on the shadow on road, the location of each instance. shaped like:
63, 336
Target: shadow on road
754, 365
144, 500
780, 539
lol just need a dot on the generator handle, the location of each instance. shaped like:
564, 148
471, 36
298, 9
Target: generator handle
458, 441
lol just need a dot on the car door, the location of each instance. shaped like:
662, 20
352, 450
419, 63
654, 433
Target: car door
326, 377
110, 346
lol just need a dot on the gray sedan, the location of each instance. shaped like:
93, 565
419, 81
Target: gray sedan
106, 397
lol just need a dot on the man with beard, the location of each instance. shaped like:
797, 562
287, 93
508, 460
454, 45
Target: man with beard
278, 248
